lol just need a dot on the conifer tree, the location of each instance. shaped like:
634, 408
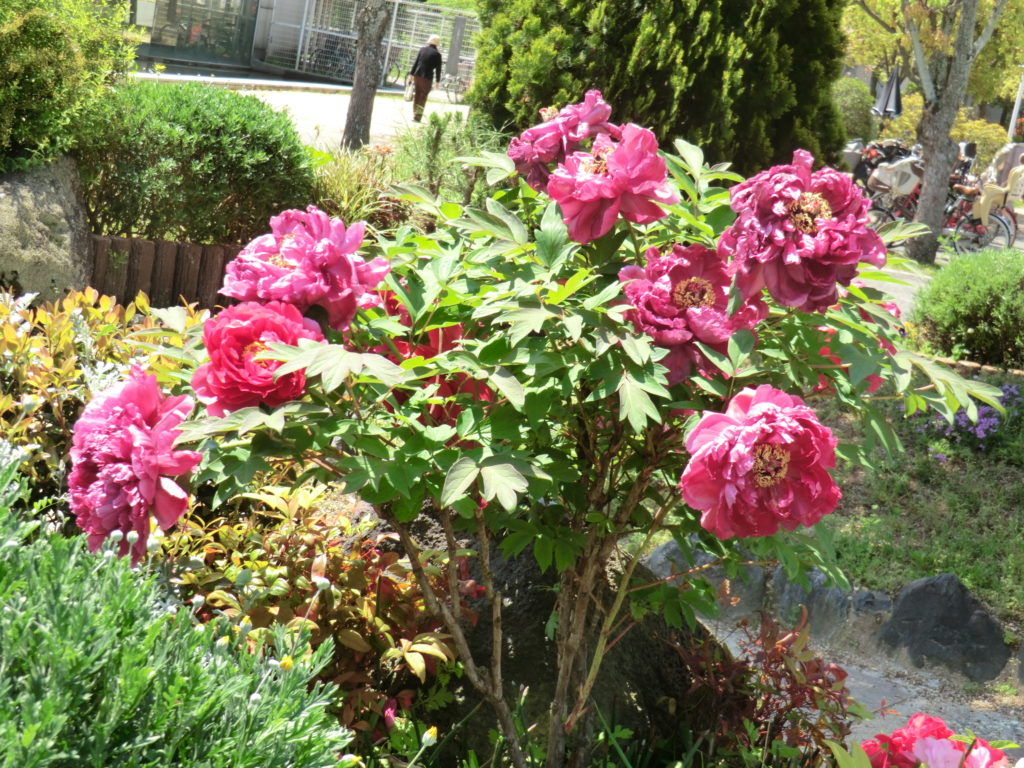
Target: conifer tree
748, 81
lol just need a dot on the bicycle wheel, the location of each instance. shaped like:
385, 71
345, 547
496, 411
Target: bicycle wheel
970, 237
879, 217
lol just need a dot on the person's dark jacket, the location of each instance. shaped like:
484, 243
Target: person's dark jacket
428, 63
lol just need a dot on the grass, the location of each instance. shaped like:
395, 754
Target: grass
950, 503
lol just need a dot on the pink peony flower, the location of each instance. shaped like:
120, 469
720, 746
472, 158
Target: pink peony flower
928, 739
760, 466
537, 148
123, 459
233, 378
799, 234
615, 178
308, 260
681, 298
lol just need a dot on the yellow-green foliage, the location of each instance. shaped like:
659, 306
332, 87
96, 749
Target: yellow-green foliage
55, 58
305, 559
52, 358
988, 136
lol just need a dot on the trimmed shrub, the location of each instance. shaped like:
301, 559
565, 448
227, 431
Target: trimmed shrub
853, 101
96, 670
189, 162
55, 56
974, 309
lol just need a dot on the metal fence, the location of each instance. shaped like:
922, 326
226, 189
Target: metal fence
318, 37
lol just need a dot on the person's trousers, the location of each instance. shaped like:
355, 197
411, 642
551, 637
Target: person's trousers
421, 87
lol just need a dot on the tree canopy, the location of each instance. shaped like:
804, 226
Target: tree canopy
746, 81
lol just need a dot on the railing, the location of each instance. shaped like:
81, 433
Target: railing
166, 272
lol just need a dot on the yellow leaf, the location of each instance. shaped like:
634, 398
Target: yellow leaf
417, 664
352, 639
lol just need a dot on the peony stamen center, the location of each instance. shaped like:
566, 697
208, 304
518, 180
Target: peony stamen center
771, 463
597, 163
252, 349
693, 292
806, 209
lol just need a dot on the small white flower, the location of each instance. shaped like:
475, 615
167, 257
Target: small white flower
322, 584
255, 698
198, 601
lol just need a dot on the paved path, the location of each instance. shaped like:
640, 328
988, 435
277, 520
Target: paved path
318, 110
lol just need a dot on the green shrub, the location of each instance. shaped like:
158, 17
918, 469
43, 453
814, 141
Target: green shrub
853, 101
351, 186
189, 162
429, 155
53, 357
55, 56
95, 671
974, 309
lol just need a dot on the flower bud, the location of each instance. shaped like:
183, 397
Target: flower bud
152, 545
287, 663
255, 698
132, 537
198, 601
116, 535
322, 584
429, 737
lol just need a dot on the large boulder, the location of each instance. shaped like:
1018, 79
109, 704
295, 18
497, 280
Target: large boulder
938, 621
45, 243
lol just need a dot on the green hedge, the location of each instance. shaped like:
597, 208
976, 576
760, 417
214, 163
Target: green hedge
974, 309
97, 670
55, 57
189, 162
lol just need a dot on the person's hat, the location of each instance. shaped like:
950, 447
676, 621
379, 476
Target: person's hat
433, 40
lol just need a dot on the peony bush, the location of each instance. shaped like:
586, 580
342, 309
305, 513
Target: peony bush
615, 343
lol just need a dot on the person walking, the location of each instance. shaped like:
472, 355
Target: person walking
425, 71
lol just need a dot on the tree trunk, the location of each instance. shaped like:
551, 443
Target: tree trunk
948, 75
371, 25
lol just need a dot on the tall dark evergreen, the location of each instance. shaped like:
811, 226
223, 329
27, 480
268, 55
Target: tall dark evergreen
748, 80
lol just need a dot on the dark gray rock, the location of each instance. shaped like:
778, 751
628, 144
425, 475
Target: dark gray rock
871, 602
827, 607
45, 243
743, 597
938, 621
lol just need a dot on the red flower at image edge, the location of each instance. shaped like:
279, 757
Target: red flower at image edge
308, 259
681, 298
550, 142
760, 466
616, 178
123, 461
800, 234
921, 738
233, 378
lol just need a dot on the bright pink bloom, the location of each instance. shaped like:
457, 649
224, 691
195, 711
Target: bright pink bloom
616, 178
550, 142
233, 378
681, 298
799, 234
943, 753
928, 739
760, 466
123, 459
308, 259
